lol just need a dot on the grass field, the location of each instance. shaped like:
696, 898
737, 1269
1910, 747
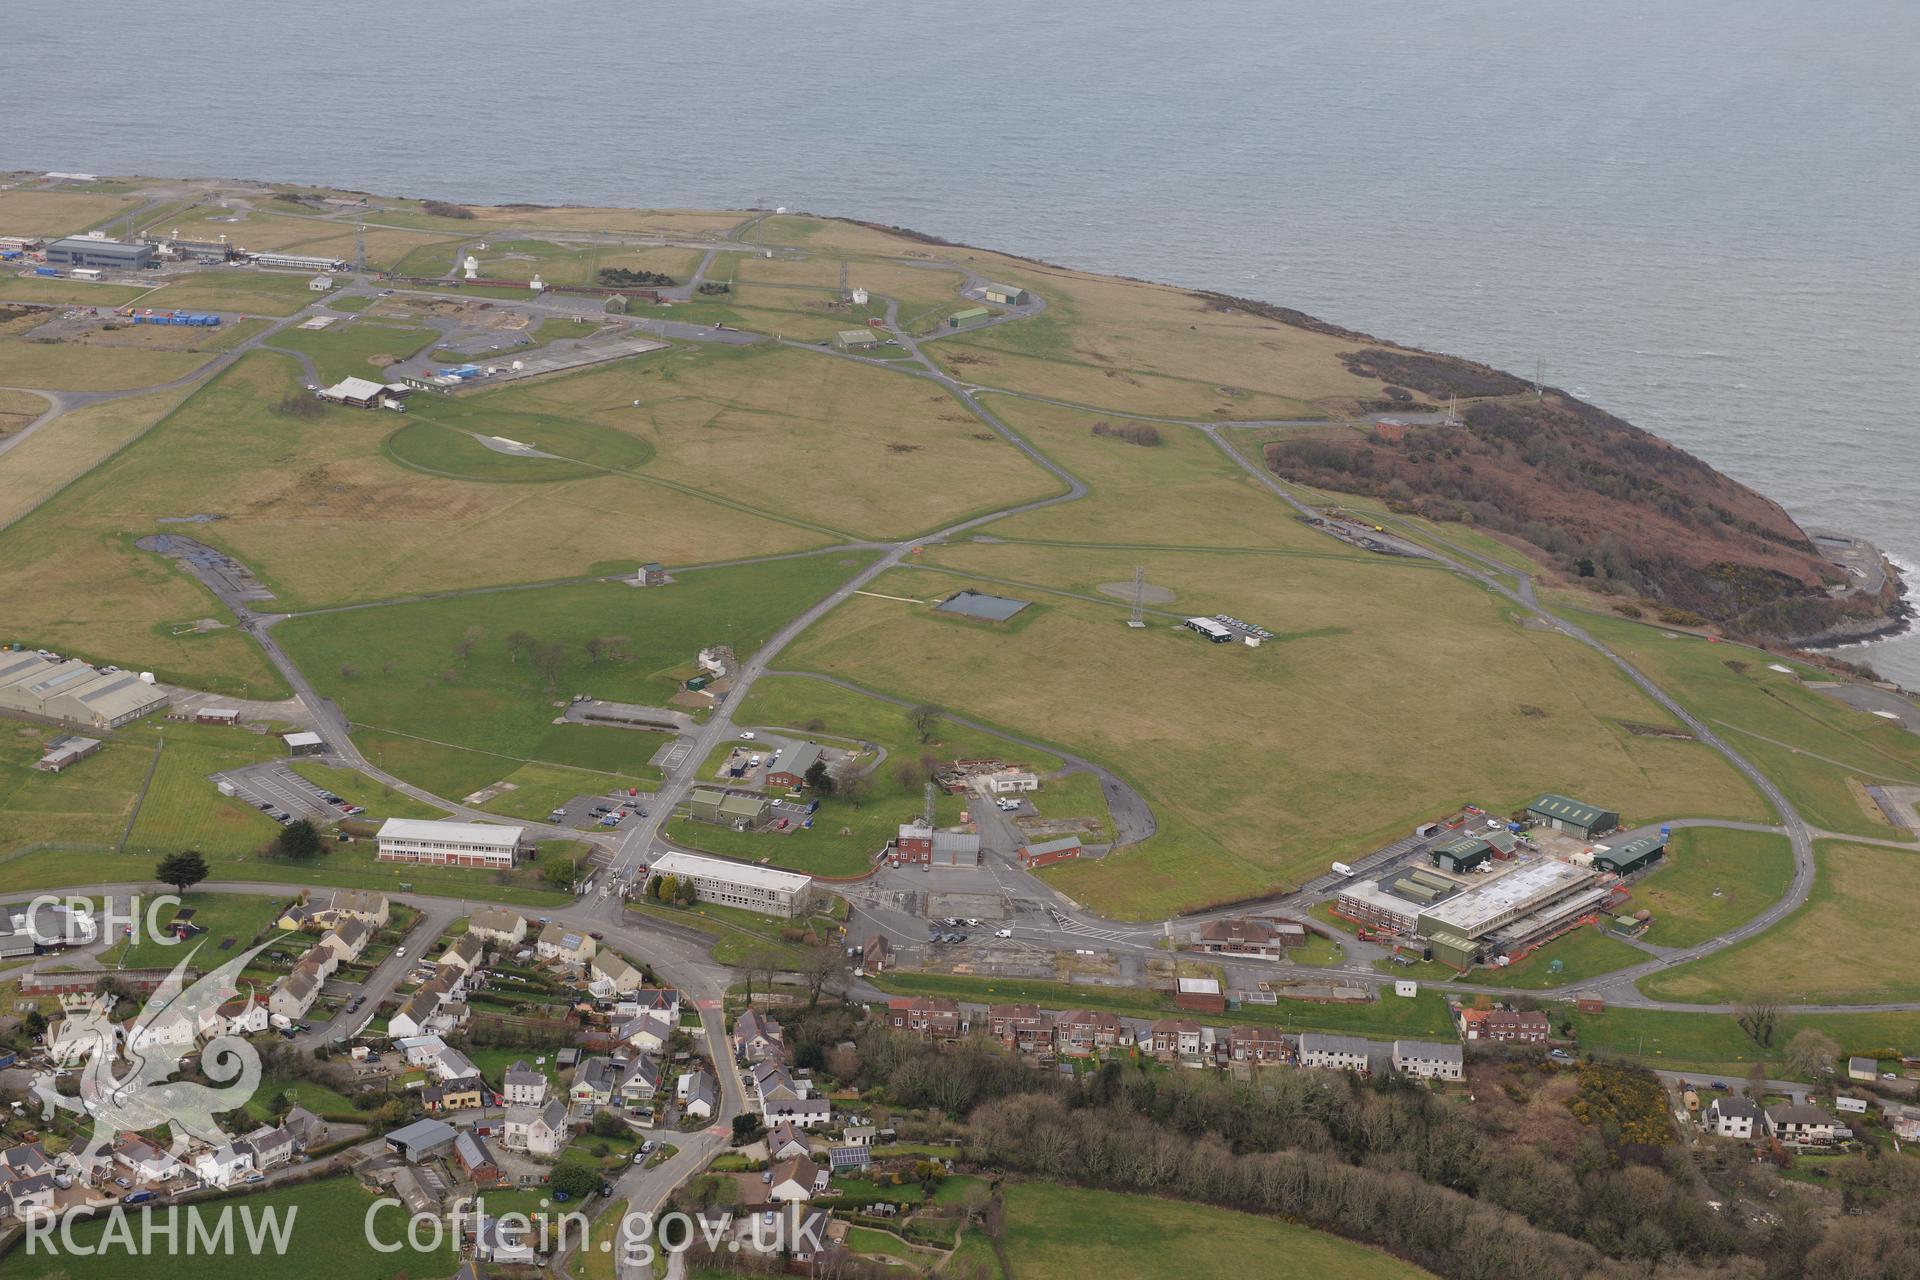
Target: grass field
1423, 1015
1843, 947
86, 366
1353, 668
802, 435
66, 289
377, 798
1711, 881
1582, 954
58, 213
232, 922
182, 810
554, 263
1807, 743
439, 438
260, 293
541, 788
401, 667
350, 350
88, 803
1070, 1231
324, 1220
1714, 1041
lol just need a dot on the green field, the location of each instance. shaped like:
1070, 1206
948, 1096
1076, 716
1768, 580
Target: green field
182, 810
1711, 881
1584, 953
541, 788
439, 438
845, 836
78, 292
349, 349
325, 1220
1714, 1041
87, 803
86, 366
232, 922
261, 293
406, 673
1519, 710
1423, 1015
1071, 1231
1843, 947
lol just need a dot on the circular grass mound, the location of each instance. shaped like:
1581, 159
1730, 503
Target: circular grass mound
441, 440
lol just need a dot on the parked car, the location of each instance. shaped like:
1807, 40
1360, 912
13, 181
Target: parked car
1003, 933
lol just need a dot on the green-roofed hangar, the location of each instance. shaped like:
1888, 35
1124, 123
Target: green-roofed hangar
1462, 855
1575, 817
1632, 856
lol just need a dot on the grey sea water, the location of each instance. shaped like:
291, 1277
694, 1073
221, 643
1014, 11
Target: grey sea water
1700, 216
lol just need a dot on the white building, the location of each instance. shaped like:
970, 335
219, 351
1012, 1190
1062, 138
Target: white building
320, 284
1427, 1060
451, 844
71, 690
1335, 1053
736, 884
1732, 1117
497, 925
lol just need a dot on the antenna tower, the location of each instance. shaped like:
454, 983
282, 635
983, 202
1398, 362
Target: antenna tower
1136, 618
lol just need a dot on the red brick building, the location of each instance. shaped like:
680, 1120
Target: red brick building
1257, 1045
1504, 1026
932, 1017
1024, 1027
1085, 1032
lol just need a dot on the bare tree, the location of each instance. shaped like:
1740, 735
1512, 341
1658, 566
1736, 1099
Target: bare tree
1759, 1017
1812, 1053
519, 645
550, 660
819, 967
765, 963
348, 671
925, 720
472, 636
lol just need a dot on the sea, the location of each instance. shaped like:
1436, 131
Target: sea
1702, 216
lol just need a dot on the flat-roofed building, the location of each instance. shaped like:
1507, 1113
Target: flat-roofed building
69, 690
736, 884
85, 251
451, 844
1522, 891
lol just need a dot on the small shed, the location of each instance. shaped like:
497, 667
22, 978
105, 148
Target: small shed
320, 283
304, 743
972, 315
856, 340
1009, 295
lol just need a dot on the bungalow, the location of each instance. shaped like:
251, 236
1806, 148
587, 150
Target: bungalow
562, 945
358, 904
757, 1036
502, 1240
1251, 937
471, 1151
143, 1161
498, 925
450, 1064
1025, 1027
700, 1096
272, 1146
1174, 1038
639, 1082
1865, 1069
538, 1131
1802, 1123
523, 1086
613, 970
771, 1081
1083, 1032
648, 1032
1733, 1117
802, 1113
468, 1093
784, 1141
1256, 1045
297, 917
465, 953
663, 1001
796, 1179
420, 1051
593, 1083
930, 1017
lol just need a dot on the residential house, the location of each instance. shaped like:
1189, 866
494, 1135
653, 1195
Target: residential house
1259, 1045
876, 954
803, 1113
318, 961
523, 1086
27, 1183
797, 1179
144, 1162
1864, 1069
170, 1029
1335, 1053
1504, 1026
649, 1032
1083, 1032
1803, 1123
613, 970
223, 1166
450, 1064
638, 1082
498, 925
347, 939
784, 1141
1251, 936
562, 945
663, 1002
1428, 1060
502, 1241
593, 1083
701, 1095
538, 1131
74, 1038
1025, 1027
1173, 1038
418, 1014
930, 1017
292, 996
467, 1093
237, 1016
358, 904
478, 1162
308, 1130
297, 917
465, 953
1733, 1117
272, 1146
757, 1036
